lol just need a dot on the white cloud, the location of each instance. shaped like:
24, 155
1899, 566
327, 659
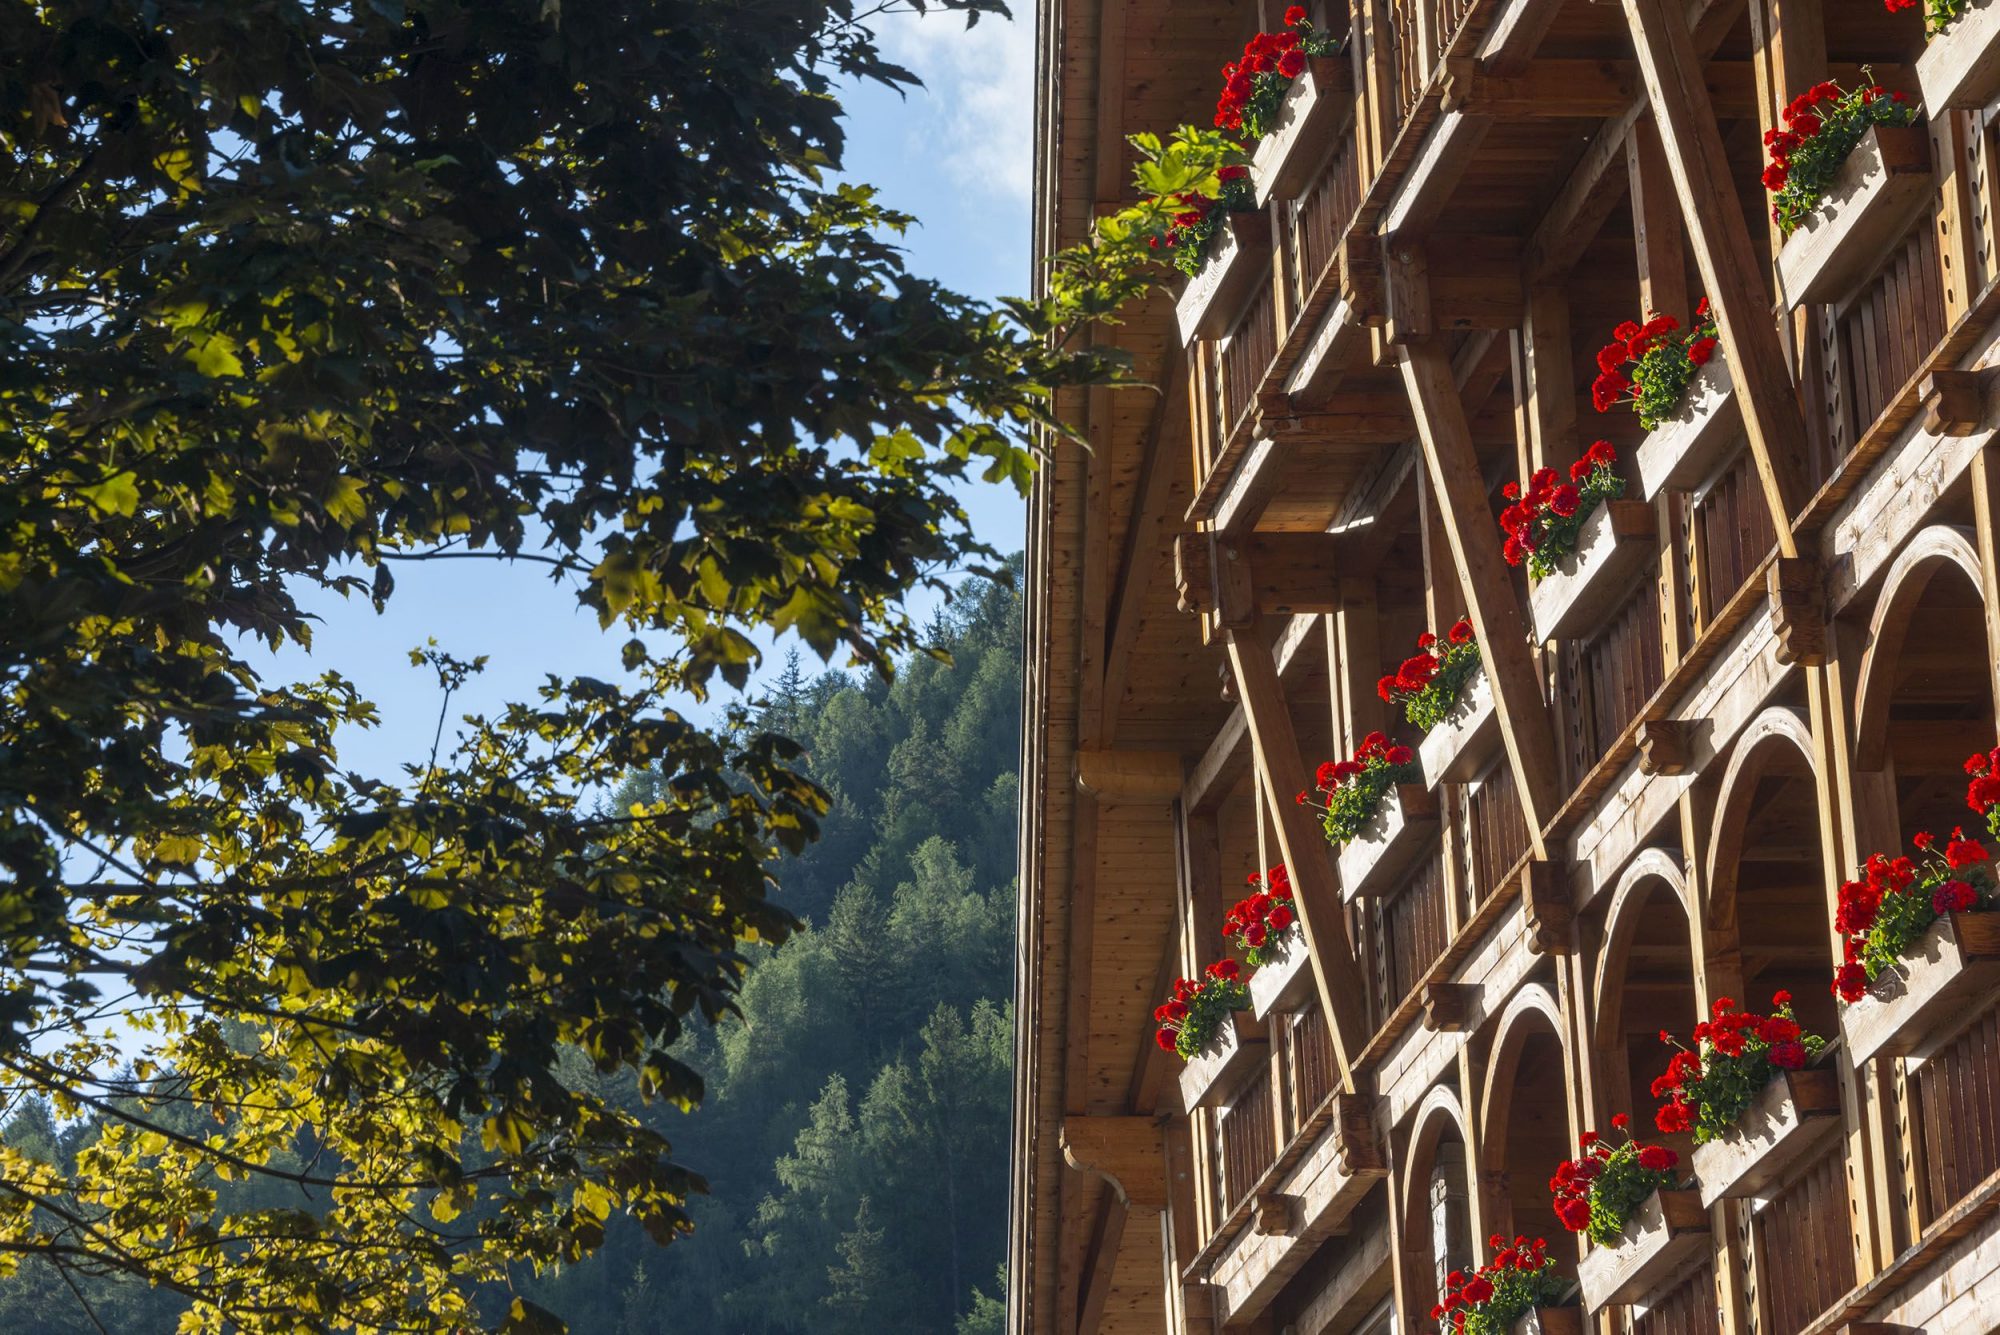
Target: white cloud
974, 117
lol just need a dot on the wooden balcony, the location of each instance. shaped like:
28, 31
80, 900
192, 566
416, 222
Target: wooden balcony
1238, 258
1883, 185
1220, 1069
1787, 1122
1960, 67
1684, 450
1282, 983
1956, 962
1667, 1231
1458, 748
1315, 109
1371, 861
1614, 544
1806, 1217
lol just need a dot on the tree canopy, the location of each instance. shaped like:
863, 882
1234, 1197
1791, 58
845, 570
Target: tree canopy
293, 292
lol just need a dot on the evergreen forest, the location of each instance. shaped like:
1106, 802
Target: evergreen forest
854, 1127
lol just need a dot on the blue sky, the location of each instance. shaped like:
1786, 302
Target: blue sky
957, 155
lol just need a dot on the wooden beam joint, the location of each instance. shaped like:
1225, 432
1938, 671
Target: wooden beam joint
1954, 402
1357, 1151
1360, 262
1548, 907
1130, 776
1448, 1006
1798, 610
1666, 745
1284, 573
1274, 1214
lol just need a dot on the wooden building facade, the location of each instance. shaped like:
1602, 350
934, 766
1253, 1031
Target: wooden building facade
1768, 661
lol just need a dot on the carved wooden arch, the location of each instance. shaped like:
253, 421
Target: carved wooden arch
1532, 1002
1650, 867
1926, 555
1775, 735
1440, 1108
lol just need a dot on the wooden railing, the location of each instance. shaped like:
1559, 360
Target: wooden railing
1498, 831
1806, 1219
1880, 335
1321, 216
1609, 677
1730, 532
1315, 1075
1956, 1100
1686, 1309
1415, 929
1246, 355
1249, 1139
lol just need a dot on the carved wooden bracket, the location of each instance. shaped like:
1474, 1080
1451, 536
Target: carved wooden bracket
1274, 1214
1954, 402
1448, 1006
1201, 1301
1125, 1151
1545, 899
1798, 610
1666, 745
1361, 277
1356, 1150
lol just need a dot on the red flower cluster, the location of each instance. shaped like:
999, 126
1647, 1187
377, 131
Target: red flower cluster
1802, 122
1540, 511
1896, 900
1259, 919
1196, 221
1374, 747
1983, 793
1518, 1274
1821, 127
1631, 341
1279, 53
1727, 1036
1173, 1015
1418, 669
1575, 1181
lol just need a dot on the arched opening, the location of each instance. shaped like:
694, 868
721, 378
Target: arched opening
1645, 983
1527, 1123
1768, 892
1437, 1205
1926, 693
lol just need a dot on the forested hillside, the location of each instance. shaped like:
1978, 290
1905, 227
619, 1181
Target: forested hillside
854, 1131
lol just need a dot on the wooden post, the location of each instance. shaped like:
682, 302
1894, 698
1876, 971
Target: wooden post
1986, 516
1548, 366
1656, 221
1359, 662
1282, 773
1729, 267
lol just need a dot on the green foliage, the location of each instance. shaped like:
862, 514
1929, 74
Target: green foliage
1209, 1004
1439, 698
1354, 801
290, 294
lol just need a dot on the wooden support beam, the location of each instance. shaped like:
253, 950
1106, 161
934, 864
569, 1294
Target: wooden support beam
1168, 468
1274, 1214
1287, 572
1954, 402
1282, 772
1130, 776
1656, 219
1986, 530
1556, 89
1124, 1151
1685, 114
1548, 367
1490, 602
1101, 1265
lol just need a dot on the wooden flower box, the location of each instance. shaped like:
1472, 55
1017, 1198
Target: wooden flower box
1666, 1232
1457, 749
1796, 1112
1238, 259
1685, 449
1372, 860
1285, 982
1314, 106
1960, 67
1615, 541
1549, 1321
1955, 962
1883, 184
1216, 1072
